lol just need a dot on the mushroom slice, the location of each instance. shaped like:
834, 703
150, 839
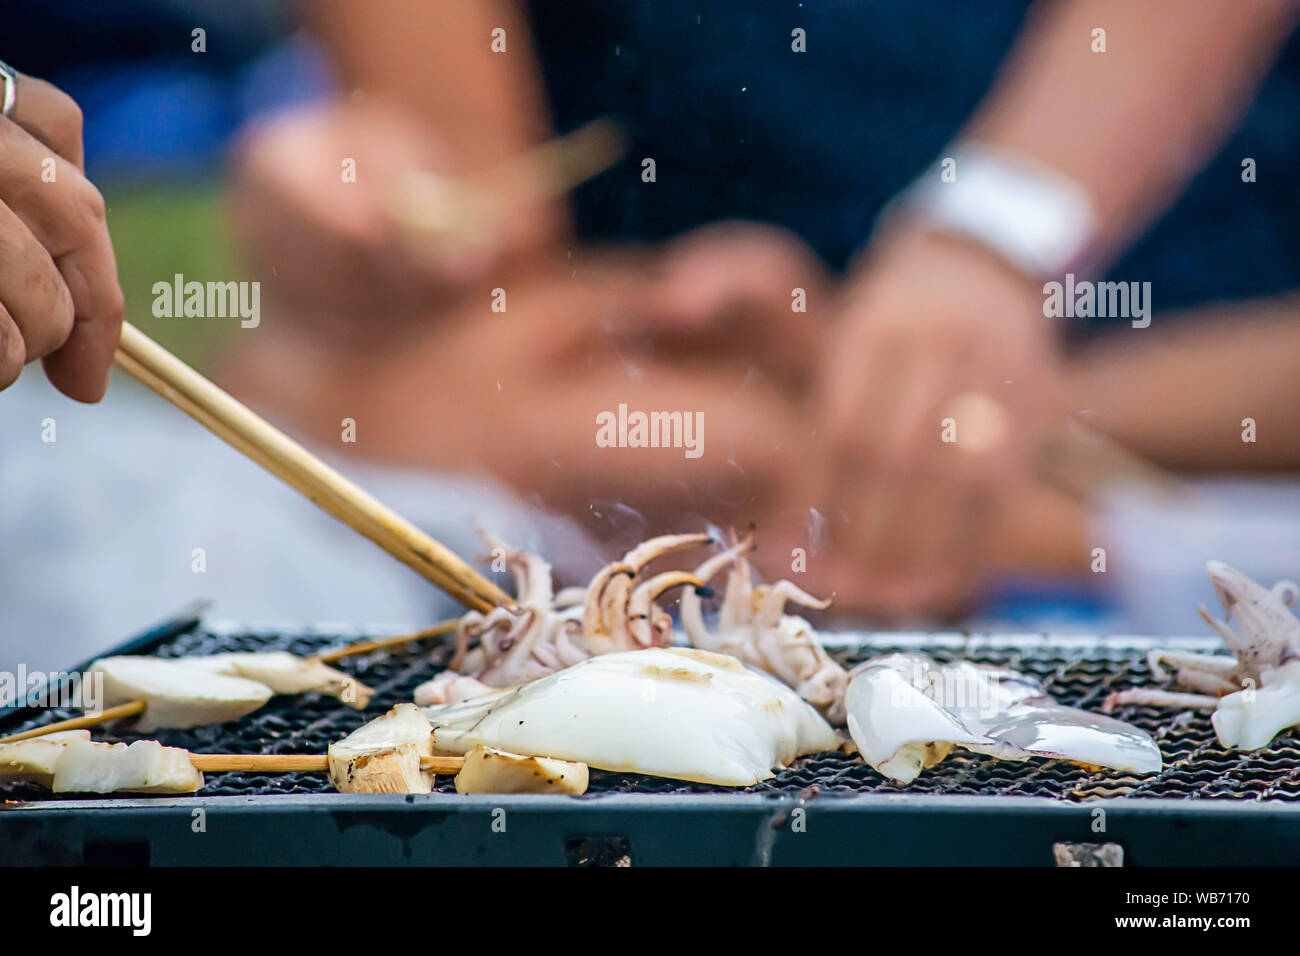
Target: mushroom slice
145, 766
488, 770
287, 673
669, 712
383, 756
35, 759
176, 694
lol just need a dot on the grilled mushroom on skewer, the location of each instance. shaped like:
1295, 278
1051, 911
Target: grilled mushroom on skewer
394, 754
384, 755
192, 691
488, 770
175, 694
71, 762
36, 759
287, 673
391, 754
145, 766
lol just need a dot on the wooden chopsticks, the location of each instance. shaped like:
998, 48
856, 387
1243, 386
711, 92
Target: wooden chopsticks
232, 422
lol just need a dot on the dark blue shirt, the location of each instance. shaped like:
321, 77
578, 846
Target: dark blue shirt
741, 126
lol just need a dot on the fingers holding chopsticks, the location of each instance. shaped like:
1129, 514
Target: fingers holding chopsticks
50, 115
36, 311
58, 276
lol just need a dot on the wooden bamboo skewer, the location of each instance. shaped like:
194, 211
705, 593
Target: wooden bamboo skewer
247, 432
289, 763
129, 709
561, 164
299, 763
469, 209
383, 643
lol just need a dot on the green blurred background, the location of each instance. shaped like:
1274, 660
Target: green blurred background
158, 231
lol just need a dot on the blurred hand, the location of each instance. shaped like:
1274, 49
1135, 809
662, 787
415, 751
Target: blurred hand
338, 246
59, 296
932, 329
730, 289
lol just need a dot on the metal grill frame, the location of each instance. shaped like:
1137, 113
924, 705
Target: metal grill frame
738, 828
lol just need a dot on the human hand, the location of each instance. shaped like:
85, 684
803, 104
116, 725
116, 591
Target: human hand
340, 245
741, 289
59, 296
940, 371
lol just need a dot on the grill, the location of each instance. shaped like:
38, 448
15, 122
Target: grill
1200, 781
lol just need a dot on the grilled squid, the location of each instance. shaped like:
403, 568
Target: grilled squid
671, 712
906, 713
542, 632
753, 627
1254, 690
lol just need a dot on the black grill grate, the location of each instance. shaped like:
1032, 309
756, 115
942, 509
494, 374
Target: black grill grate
1077, 672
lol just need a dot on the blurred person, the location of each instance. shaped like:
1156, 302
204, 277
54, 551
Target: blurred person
942, 306
847, 398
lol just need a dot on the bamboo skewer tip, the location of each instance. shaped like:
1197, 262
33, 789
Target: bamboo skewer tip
383, 643
129, 709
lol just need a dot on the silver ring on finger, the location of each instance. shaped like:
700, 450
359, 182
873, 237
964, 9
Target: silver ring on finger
9, 95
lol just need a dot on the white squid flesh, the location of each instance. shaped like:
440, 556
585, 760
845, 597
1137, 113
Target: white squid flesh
668, 712
905, 712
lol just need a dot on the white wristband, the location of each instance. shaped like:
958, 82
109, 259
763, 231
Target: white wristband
1036, 218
